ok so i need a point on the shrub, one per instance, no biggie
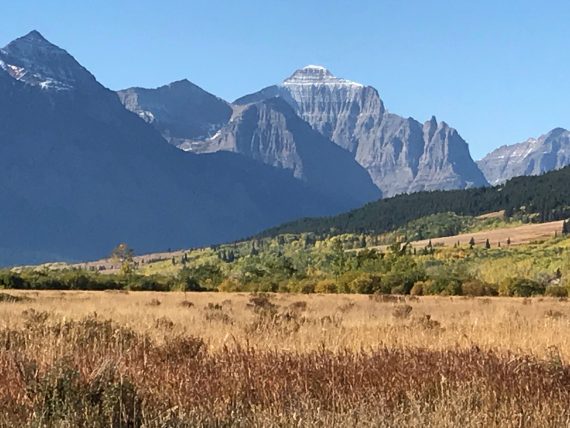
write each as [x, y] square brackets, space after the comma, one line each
[10, 279]
[366, 284]
[556, 291]
[401, 311]
[476, 287]
[325, 286]
[306, 286]
[399, 289]
[148, 283]
[229, 285]
[443, 286]
[261, 303]
[418, 288]
[520, 287]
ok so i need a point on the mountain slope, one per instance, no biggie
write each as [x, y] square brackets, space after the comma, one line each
[531, 157]
[181, 111]
[544, 198]
[270, 132]
[396, 151]
[80, 173]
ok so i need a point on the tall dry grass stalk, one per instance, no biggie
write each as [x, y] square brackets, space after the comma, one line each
[148, 359]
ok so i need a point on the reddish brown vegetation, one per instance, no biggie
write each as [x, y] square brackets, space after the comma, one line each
[96, 373]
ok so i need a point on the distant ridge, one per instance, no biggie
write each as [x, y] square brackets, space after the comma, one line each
[531, 157]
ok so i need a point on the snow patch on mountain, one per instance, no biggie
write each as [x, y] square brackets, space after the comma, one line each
[531, 157]
[33, 60]
[317, 75]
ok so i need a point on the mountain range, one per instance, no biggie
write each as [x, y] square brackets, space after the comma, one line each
[401, 155]
[531, 157]
[85, 168]
[80, 173]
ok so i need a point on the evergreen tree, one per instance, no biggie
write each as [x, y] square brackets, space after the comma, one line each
[471, 242]
[487, 244]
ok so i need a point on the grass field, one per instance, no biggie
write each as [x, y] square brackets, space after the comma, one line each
[223, 359]
[518, 234]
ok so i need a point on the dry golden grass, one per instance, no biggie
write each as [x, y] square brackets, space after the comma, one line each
[217, 359]
[525, 234]
[336, 321]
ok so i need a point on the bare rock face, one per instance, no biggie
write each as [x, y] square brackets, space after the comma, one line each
[269, 131]
[397, 152]
[531, 157]
[339, 109]
[181, 111]
[33, 60]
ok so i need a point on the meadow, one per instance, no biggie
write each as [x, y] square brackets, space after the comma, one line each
[120, 358]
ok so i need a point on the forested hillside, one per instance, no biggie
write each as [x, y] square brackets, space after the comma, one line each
[541, 198]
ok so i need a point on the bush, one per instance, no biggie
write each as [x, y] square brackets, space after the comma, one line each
[418, 288]
[229, 285]
[520, 287]
[10, 279]
[556, 291]
[476, 287]
[443, 286]
[399, 289]
[366, 284]
[148, 283]
[305, 286]
[325, 286]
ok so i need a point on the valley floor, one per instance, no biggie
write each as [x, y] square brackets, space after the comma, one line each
[240, 359]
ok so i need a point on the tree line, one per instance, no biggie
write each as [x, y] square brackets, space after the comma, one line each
[533, 199]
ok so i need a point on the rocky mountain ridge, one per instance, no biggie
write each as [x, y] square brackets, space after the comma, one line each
[531, 157]
[399, 156]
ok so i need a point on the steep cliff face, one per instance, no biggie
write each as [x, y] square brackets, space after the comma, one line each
[269, 131]
[445, 163]
[531, 157]
[339, 109]
[396, 151]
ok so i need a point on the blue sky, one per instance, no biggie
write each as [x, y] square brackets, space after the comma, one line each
[496, 71]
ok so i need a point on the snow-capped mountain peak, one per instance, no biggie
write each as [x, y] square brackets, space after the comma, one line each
[35, 61]
[316, 75]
